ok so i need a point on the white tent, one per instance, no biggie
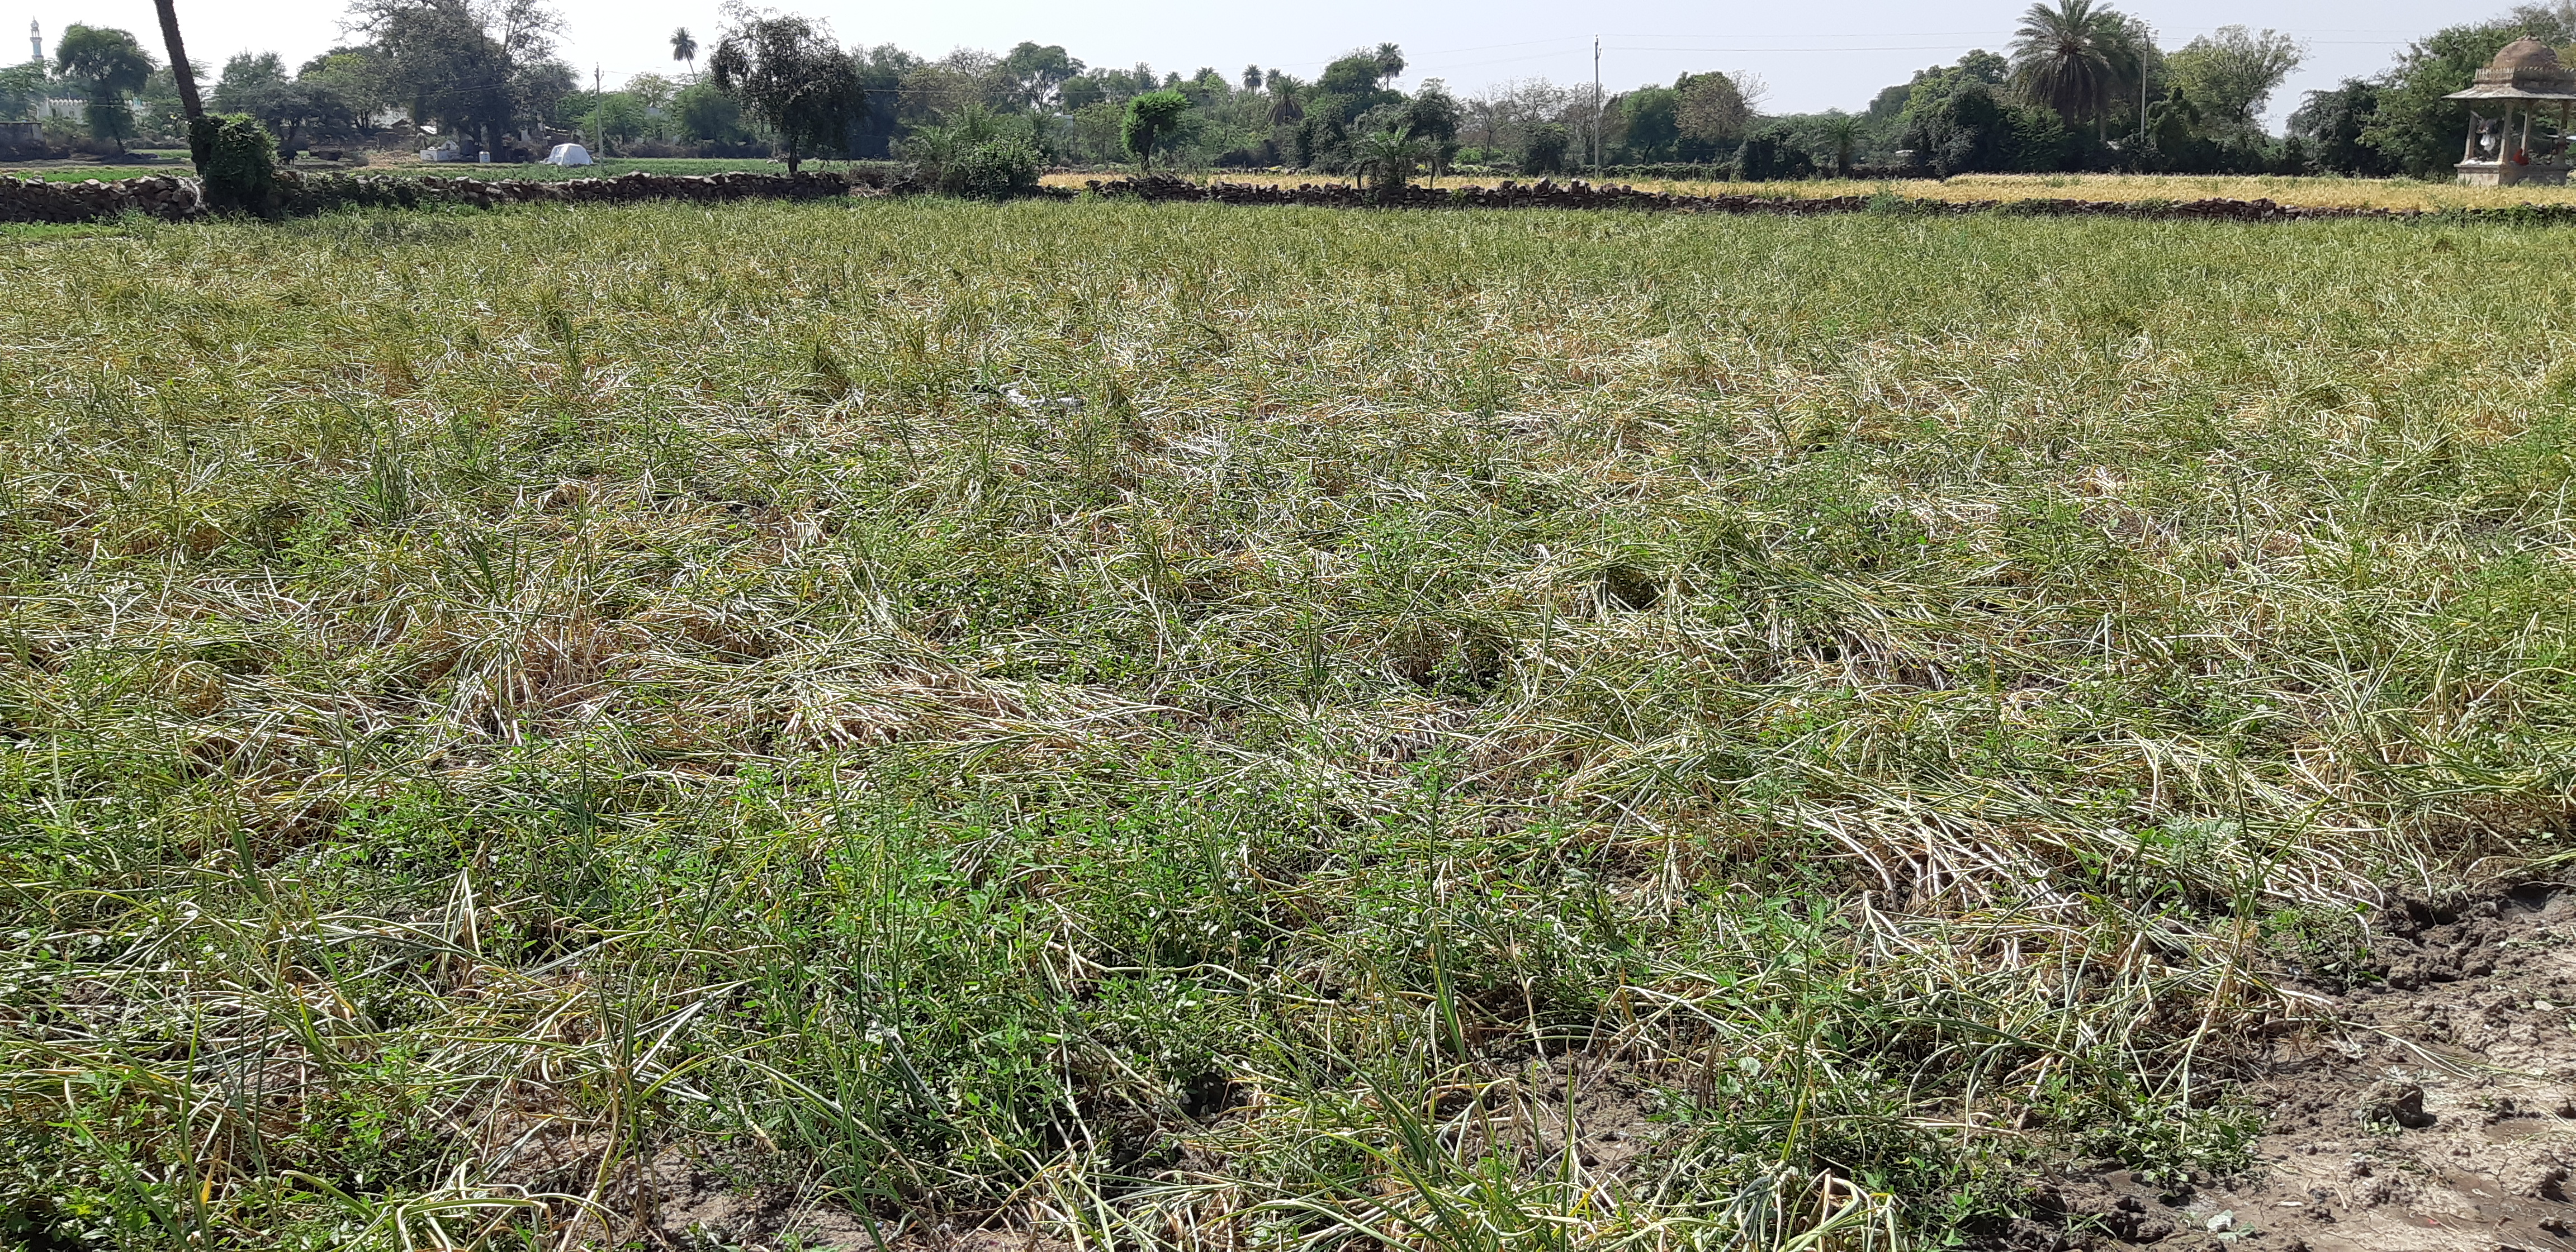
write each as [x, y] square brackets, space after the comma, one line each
[567, 154]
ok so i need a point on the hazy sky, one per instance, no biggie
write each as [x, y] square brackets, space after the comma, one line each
[1836, 53]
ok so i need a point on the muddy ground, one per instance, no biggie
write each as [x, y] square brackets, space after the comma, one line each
[2431, 1108]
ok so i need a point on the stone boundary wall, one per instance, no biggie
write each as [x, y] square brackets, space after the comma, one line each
[33, 200]
[1548, 194]
[176, 198]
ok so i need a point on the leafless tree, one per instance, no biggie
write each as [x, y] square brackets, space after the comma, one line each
[1498, 116]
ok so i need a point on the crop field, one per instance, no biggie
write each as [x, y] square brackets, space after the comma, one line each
[1110, 726]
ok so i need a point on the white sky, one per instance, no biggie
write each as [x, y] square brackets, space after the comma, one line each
[1836, 53]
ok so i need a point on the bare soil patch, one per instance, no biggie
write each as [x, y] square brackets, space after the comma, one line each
[2433, 1111]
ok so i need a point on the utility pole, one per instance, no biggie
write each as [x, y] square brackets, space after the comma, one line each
[1596, 106]
[2142, 115]
[597, 125]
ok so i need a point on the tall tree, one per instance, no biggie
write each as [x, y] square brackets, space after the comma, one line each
[1432, 117]
[1499, 118]
[110, 66]
[2231, 73]
[2332, 121]
[181, 73]
[684, 47]
[1712, 107]
[1287, 97]
[2073, 57]
[257, 84]
[21, 86]
[472, 68]
[1038, 74]
[790, 76]
[1151, 118]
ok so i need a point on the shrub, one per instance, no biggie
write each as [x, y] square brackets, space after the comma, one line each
[1773, 153]
[976, 153]
[994, 171]
[1543, 148]
[237, 157]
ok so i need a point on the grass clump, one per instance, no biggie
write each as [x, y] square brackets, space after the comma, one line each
[1176, 724]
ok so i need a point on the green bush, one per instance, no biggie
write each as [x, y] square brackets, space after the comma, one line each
[994, 171]
[237, 157]
[1543, 148]
[977, 153]
[1773, 154]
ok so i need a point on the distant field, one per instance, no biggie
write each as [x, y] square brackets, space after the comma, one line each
[75, 171]
[2353, 192]
[1272, 730]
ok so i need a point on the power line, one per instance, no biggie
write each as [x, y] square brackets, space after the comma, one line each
[1924, 47]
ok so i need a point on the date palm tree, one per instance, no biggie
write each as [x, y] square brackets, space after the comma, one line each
[1386, 158]
[2073, 57]
[1842, 130]
[1286, 91]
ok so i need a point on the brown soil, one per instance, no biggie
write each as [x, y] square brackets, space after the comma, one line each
[2434, 1111]
[700, 1210]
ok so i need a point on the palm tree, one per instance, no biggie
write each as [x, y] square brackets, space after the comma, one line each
[684, 47]
[1386, 158]
[2073, 57]
[181, 74]
[1285, 108]
[1842, 130]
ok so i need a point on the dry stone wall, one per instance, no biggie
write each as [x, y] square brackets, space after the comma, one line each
[172, 198]
[1577, 194]
[32, 200]
[29, 200]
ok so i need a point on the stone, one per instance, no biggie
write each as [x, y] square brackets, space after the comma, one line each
[2389, 1103]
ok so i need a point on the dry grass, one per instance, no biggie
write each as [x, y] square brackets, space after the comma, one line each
[1185, 726]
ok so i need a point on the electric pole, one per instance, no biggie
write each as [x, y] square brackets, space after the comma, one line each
[1596, 106]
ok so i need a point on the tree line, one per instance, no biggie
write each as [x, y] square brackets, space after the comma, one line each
[2082, 86]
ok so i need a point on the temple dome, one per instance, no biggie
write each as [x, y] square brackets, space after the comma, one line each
[2529, 65]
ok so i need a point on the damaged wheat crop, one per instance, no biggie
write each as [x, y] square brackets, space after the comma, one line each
[1175, 726]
